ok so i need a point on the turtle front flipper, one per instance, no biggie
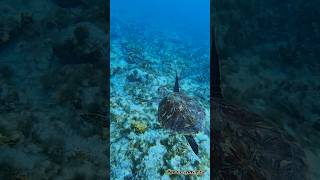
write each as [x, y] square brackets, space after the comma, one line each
[192, 143]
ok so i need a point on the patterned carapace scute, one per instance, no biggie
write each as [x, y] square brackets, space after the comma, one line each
[181, 113]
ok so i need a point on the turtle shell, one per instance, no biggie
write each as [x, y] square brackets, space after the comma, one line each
[181, 113]
[250, 147]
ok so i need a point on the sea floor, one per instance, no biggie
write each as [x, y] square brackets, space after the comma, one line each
[144, 58]
[47, 89]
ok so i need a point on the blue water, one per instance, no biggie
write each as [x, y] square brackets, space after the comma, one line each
[149, 42]
[187, 18]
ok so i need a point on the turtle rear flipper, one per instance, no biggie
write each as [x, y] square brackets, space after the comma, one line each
[192, 143]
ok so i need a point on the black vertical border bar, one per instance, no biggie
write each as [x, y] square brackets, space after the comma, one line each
[215, 92]
[212, 155]
[108, 169]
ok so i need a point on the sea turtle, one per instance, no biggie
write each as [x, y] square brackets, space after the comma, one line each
[181, 113]
[247, 146]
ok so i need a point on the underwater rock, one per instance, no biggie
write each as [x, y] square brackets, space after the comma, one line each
[134, 76]
[137, 76]
[139, 126]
